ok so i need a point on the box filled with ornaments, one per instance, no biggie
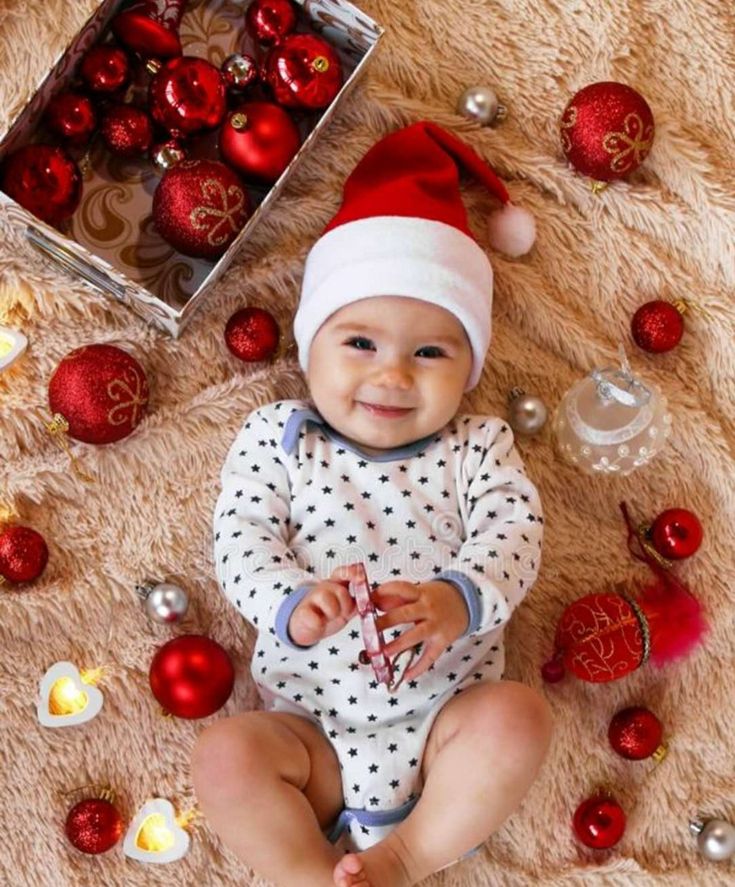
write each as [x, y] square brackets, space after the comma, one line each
[164, 132]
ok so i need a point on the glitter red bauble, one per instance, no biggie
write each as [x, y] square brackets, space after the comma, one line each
[23, 554]
[303, 71]
[151, 27]
[252, 334]
[607, 131]
[188, 95]
[127, 131]
[191, 676]
[599, 822]
[199, 207]
[635, 733]
[657, 326]
[71, 116]
[105, 69]
[44, 180]
[94, 825]
[676, 533]
[101, 391]
[270, 20]
[259, 140]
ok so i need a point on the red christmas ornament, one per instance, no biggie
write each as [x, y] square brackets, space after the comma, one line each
[269, 21]
[23, 554]
[658, 326]
[151, 27]
[635, 733]
[303, 71]
[676, 534]
[259, 140]
[599, 822]
[127, 131]
[105, 69]
[607, 131]
[101, 391]
[199, 207]
[188, 95]
[44, 180]
[94, 825]
[191, 676]
[70, 116]
[252, 334]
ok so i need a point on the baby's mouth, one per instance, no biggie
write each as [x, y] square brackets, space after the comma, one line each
[388, 412]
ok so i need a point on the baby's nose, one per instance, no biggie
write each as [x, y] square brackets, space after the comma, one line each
[394, 376]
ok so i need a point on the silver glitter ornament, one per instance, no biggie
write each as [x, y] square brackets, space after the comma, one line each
[239, 71]
[164, 602]
[715, 839]
[481, 104]
[527, 413]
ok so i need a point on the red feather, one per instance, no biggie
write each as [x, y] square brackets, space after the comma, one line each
[675, 619]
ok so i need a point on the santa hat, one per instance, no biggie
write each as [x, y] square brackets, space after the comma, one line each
[402, 231]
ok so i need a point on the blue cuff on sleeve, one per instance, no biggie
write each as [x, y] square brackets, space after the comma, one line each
[289, 604]
[469, 592]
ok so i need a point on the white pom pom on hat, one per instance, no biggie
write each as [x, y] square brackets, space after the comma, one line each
[402, 230]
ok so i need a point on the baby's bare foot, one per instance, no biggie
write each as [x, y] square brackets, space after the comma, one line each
[380, 866]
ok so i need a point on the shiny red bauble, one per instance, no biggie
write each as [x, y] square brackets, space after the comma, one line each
[23, 554]
[635, 733]
[151, 27]
[101, 391]
[676, 533]
[188, 95]
[607, 130]
[127, 131]
[94, 825]
[191, 676]
[44, 180]
[71, 116]
[270, 20]
[303, 71]
[599, 822]
[252, 334]
[259, 140]
[657, 326]
[199, 207]
[105, 69]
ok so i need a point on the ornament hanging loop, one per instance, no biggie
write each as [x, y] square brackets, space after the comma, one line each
[621, 385]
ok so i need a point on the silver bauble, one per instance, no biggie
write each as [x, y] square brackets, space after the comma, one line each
[527, 413]
[164, 602]
[481, 104]
[165, 155]
[715, 839]
[239, 71]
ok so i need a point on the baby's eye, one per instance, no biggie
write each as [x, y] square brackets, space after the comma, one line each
[360, 343]
[431, 351]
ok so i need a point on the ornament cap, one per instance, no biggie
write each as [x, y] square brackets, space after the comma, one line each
[696, 826]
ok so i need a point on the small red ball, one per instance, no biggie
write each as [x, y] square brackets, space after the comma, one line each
[553, 671]
[635, 733]
[191, 676]
[105, 69]
[599, 822]
[127, 131]
[259, 139]
[151, 27]
[252, 334]
[270, 20]
[71, 116]
[44, 180]
[303, 71]
[676, 533]
[657, 326]
[23, 554]
[188, 95]
[94, 825]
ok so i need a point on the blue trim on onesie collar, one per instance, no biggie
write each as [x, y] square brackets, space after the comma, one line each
[299, 417]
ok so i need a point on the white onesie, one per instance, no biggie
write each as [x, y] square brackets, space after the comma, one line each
[298, 500]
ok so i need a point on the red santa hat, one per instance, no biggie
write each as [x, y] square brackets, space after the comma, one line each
[402, 231]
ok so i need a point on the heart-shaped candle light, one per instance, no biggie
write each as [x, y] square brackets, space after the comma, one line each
[155, 834]
[66, 697]
[12, 344]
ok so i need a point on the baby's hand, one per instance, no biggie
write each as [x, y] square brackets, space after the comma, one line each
[324, 610]
[439, 614]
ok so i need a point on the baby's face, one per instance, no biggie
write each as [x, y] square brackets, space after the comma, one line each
[408, 357]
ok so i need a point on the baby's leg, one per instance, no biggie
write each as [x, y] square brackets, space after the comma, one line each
[269, 783]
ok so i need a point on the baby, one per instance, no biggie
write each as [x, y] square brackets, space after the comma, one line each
[339, 781]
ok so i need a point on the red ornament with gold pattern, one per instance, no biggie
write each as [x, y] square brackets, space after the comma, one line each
[199, 207]
[188, 95]
[607, 131]
[44, 180]
[100, 392]
[303, 71]
[151, 27]
[23, 554]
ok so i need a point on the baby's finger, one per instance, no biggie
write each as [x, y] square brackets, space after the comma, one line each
[326, 600]
[429, 655]
[346, 573]
[406, 640]
[398, 616]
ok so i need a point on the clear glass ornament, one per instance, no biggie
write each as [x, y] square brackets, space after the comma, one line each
[610, 422]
